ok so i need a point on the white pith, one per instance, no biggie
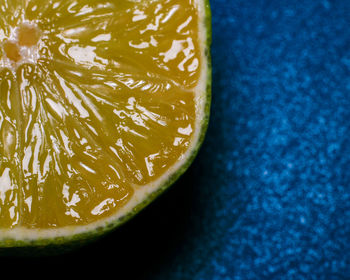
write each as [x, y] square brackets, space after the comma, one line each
[141, 193]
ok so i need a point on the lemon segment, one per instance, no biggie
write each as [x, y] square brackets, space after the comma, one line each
[101, 103]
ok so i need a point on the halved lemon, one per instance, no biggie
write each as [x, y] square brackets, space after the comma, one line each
[103, 105]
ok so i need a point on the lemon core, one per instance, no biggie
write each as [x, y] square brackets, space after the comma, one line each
[26, 36]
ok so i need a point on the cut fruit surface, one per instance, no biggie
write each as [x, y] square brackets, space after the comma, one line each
[103, 104]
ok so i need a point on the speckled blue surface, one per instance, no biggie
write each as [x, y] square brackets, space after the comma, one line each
[269, 195]
[273, 178]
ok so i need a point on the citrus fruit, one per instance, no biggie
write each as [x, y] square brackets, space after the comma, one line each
[103, 105]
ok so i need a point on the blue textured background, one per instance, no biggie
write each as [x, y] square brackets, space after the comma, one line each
[269, 195]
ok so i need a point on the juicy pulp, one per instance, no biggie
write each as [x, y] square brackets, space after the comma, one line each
[99, 106]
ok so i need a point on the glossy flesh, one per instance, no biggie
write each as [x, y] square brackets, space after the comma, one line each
[102, 105]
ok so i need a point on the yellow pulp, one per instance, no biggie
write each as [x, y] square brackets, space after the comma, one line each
[96, 101]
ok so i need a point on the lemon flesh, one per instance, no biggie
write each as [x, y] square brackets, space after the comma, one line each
[101, 101]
